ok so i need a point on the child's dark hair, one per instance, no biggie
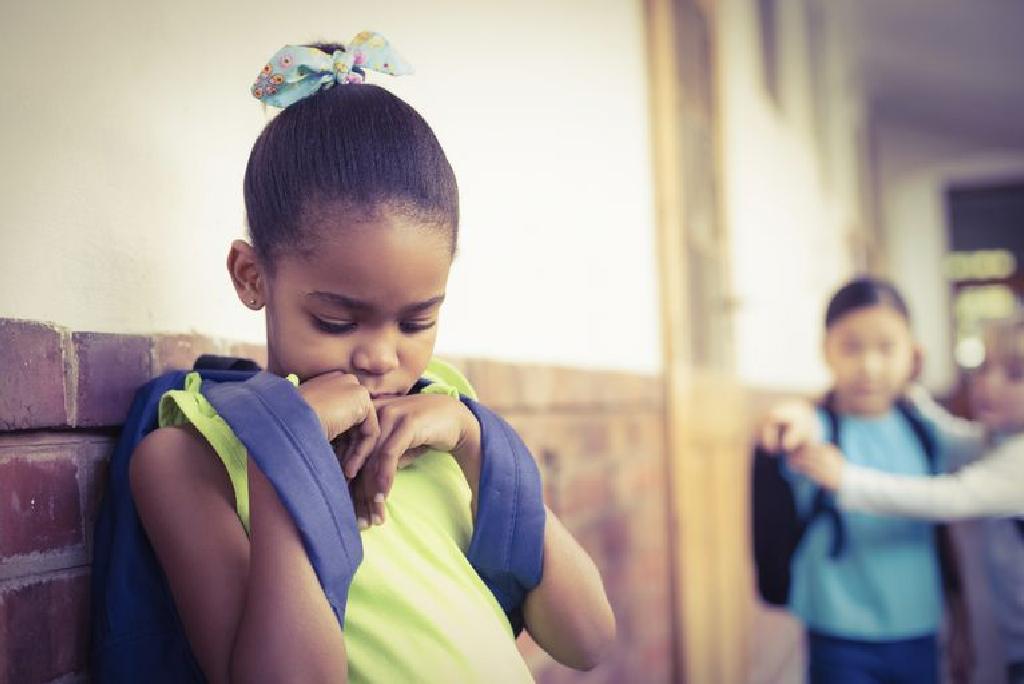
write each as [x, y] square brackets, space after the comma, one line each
[863, 292]
[354, 148]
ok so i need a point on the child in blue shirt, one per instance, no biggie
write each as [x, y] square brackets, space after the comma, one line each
[873, 611]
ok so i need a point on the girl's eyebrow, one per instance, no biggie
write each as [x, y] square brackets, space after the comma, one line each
[336, 299]
[424, 305]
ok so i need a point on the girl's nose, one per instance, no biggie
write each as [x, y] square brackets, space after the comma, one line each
[376, 355]
[871, 364]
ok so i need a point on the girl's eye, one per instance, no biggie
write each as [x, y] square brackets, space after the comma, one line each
[412, 327]
[333, 328]
[851, 347]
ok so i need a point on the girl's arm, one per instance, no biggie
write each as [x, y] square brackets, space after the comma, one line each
[568, 613]
[252, 609]
[989, 487]
[287, 630]
[962, 440]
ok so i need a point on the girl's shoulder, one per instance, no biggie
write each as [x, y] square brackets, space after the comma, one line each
[440, 372]
[172, 467]
[188, 408]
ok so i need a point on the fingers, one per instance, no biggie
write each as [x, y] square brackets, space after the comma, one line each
[410, 456]
[368, 502]
[768, 438]
[779, 435]
[792, 437]
[359, 503]
[800, 460]
[788, 427]
[363, 441]
[397, 437]
[822, 463]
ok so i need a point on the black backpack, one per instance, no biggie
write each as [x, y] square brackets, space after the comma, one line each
[777, 527]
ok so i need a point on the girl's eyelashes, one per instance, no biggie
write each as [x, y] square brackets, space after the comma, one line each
[341, 328]
[333, 328]
[413, 327]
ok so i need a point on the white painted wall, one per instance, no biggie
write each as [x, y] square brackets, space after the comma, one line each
[125, 128]
[791, 196]
[916, 166]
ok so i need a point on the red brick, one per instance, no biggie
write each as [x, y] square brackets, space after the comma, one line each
[179, 352]
[47, 629]
[93, 488]
[39, 506]
[586, 491]
[110, 368]
[639, 481]
[496, 384]
[32, 372]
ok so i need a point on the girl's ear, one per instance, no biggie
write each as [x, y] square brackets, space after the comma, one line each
[246, 274]
[917, 365]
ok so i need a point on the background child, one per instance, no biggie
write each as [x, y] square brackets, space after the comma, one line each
[352, 209]
[990, 487]
[873, 611]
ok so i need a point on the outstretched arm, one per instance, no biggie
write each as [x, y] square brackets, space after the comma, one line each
[988, 487]
[962, 440]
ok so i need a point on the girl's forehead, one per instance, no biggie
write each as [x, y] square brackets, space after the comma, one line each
[875, 318]
[381, 266]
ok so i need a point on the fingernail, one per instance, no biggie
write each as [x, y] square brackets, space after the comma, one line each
[379, 497]
[377, 520]
[361, 523]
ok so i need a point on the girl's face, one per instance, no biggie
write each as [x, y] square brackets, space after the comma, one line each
[997, 388]
[366, 302]
[872, 356]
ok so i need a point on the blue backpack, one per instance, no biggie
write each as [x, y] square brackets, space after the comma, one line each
[137, 634]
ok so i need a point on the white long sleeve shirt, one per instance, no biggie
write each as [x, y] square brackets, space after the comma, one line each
[992, 486]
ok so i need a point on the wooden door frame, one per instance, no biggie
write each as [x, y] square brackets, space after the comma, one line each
[708, 630]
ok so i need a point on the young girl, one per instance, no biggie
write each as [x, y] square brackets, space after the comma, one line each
[873, 611]
[352, 211]
[991, 487]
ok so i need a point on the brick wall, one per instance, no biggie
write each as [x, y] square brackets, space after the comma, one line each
[597, 436]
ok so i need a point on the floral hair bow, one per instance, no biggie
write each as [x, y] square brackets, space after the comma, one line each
[298, 71]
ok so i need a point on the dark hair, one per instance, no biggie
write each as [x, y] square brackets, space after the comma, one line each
[863, 292]
[355, 148]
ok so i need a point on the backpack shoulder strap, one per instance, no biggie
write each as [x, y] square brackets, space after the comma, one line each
[284, 438]
[824, 502]
[828, 406]
[925, 435]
